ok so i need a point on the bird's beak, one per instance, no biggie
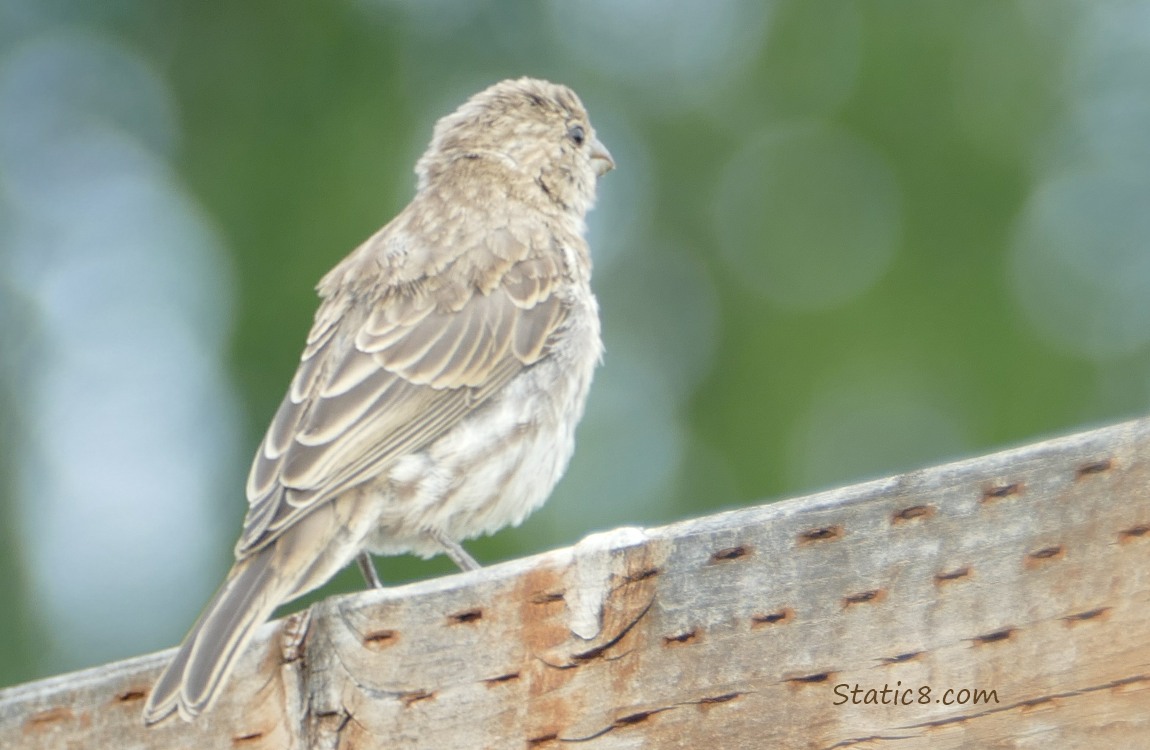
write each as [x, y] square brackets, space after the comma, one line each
[601, 158]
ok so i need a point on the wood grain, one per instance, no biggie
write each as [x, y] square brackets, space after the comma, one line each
[1025, 573]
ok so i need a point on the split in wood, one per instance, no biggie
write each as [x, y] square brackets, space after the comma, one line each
[634, 718]
[811, 678]
[1134, 532]
[772, 618]
[863, 597]
[825, 534]
[1096, 467]
[379, 639]
[414, 696]
[642, 575]
[995, 637]
[1044, 555]
[470, 615]
[681, 638]
[718, 699]
[1002, 490]
[900, 658]
[502, 678]
[51, 716]
[913, 513]
[731, 553]
[952, 575]
[130, 696]
[1088, 615]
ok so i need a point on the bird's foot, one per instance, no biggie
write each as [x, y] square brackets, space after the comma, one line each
[367, 567]
[455, 551]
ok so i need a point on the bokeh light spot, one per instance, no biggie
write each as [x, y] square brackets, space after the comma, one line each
[867, 423]
[131, 425]
[690, 48]
[1080, 263]
[808, 216]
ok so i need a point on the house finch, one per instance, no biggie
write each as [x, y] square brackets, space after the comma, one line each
[437, 396]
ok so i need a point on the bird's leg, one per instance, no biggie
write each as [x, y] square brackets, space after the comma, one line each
[367, 567]
[455, 551]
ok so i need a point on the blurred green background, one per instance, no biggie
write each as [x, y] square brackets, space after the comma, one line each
[844, 239]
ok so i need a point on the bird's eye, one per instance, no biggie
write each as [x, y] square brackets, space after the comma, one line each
[577, 134]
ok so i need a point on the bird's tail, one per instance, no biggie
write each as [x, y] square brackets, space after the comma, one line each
[193, 679]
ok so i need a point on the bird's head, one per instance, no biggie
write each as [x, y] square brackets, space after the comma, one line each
[538, 131]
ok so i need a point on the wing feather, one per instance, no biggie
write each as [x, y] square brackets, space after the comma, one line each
[335, 415]
[378, 382]
[459, 362]
[533, 328]
[348, 374]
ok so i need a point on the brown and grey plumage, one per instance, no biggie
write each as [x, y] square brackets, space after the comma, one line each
[438, 393]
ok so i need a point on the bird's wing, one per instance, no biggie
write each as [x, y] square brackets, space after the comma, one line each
[379, 381]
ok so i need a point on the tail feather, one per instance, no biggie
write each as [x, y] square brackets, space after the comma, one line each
[302, 559]
[192, 680]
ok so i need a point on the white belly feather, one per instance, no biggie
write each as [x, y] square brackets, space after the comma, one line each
[501, 462]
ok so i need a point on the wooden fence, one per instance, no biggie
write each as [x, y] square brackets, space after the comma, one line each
[998, 602]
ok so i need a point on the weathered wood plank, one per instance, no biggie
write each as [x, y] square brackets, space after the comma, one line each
[1024, 573]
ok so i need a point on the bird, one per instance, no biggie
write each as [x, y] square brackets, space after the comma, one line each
[438, 392]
